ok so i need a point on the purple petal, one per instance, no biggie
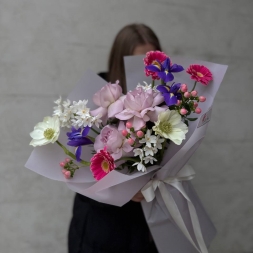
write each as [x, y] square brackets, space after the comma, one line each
[78, 152]
[176, 68]
[153, 68]
[168, 77]
[162, 75]
[163, 88]
[79, 142]
[85, 131]
[170, 99]
[174, 88]
[166, 64]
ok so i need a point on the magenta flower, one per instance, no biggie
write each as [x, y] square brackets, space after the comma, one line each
[101, 164]
[200, 73]
[107, 98]
[112, 138]
[140, 105]
[153, 58]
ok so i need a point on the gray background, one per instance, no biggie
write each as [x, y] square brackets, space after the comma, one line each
[46, 45]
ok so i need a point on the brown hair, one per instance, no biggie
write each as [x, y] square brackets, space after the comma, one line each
[128, 38]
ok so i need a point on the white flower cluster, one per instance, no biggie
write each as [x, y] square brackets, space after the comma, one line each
[146, 86]
[75, 114]
[146, 154]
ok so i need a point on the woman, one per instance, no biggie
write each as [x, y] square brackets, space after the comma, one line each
[102, 228]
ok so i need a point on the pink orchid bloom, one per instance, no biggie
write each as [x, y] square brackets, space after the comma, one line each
[140, 107]
[109, 101]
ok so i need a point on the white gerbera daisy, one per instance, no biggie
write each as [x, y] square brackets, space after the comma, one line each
[170, 126]
[46, 132]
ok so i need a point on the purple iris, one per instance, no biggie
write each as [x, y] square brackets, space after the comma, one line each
[164, 70]
[77, 138]
[170, 94]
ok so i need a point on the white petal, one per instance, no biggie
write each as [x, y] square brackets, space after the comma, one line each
[37, 134]
[39, 142]
[175, 118]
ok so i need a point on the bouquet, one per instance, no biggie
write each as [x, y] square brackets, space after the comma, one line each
[141, 140]
[132, 130]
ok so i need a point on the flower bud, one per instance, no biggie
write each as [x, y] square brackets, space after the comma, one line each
[128, 124]
[124, 132]
[179, 102]
[67, 160]
[195, 104]
[183, 111]
[63, 171]
[198, 110]
[67, 174]
[202, 99]
[62, 164]
[187, 94]
[130, 141]
[194, 93]
[140, 134]
[183, 87]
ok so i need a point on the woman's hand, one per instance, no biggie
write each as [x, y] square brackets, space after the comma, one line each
[138, 197]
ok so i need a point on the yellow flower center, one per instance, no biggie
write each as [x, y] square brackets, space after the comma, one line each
[200, 74]
[49, 133]
[156, 63]
[105, 166]
[165, 127]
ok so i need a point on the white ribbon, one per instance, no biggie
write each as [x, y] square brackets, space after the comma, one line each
[185, 174]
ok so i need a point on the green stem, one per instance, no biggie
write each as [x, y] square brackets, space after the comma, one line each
[128, 158]
[153, 83]
[91, 138]
[95, 131]
[194, 86]
[67, 152]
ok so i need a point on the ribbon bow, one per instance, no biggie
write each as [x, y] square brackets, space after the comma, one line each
[185, 174]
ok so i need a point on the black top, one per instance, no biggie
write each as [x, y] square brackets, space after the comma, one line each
[101, 228]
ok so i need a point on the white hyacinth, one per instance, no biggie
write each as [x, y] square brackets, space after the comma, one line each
[148, 138]
[149, 159]
[138, 152]
[76, 114]
[140, 166]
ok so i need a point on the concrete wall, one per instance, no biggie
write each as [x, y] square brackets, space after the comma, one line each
[44, 48]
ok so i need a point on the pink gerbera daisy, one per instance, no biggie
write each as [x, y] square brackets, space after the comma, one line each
[151, 59]
[200, 73]
[101, 164]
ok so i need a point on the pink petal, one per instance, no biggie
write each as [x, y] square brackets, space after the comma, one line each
[137, 123]
[124, 115]
[153, 115]
[115, 108]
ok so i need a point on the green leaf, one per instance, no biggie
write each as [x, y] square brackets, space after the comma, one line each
[192, 119]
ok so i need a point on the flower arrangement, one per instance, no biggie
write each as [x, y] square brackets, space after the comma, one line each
[131, 131]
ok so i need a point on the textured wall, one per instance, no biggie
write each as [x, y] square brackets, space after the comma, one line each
[44, 48]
